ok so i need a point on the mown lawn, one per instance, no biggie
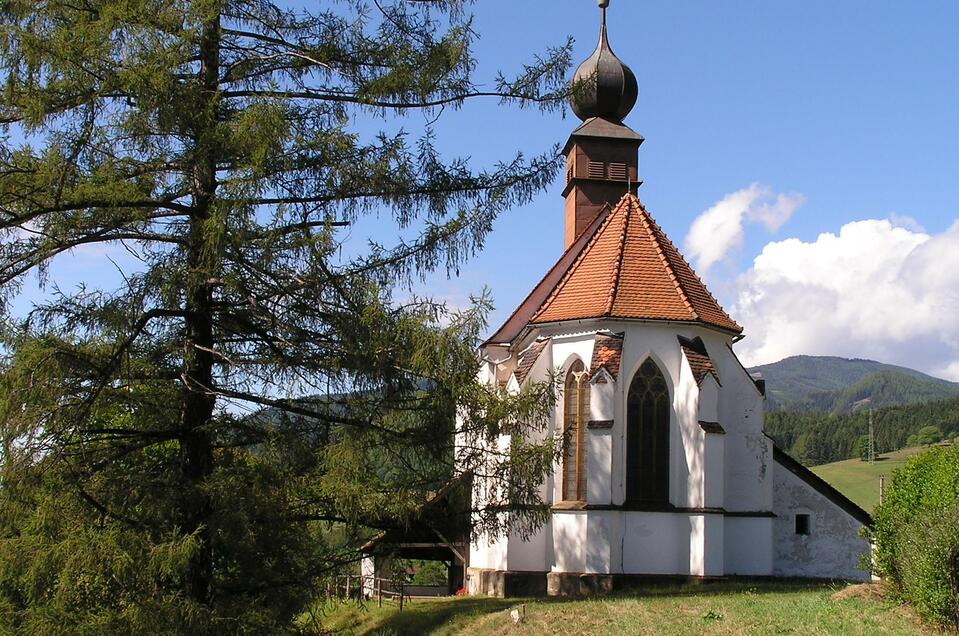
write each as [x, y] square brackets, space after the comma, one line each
[859, 480]
[719, 608]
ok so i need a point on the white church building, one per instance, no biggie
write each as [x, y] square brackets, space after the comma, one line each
[666, 470]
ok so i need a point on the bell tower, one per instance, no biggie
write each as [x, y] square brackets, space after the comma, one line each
[602, 154]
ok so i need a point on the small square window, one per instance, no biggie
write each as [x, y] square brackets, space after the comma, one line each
[802, 524]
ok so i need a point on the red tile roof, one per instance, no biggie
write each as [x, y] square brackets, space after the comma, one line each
[629, 269]
[608, 353]
[699, 360]
[520, 317]
[528, 358]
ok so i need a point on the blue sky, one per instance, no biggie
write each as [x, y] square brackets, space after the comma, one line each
[850, 108]
[817, 143]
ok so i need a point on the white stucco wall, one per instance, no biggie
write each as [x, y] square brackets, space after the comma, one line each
[749, 546]
[368, 567]
[656, 543]
[714, 545]
[599, 466]
[569, 541]
[697, 540]
[634, 542]
[488, 553]
[715, 473]
[602, 531]
[734, 471]
[748, 452]
[709, 399]
[602, 398]
[833, 547]
[529, 554]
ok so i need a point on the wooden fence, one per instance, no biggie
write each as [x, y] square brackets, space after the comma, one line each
[363, 588]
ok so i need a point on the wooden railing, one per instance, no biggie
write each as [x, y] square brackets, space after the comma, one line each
[363, 588]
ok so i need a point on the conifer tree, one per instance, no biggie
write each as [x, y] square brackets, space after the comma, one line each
[226, 144]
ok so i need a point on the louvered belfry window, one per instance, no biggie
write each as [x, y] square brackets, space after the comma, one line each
[596, 170]
[575, 416]
[647, 436]
[618, 171]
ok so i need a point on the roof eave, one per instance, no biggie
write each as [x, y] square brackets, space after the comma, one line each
[624, 319]
[510, 331]
[821, 486]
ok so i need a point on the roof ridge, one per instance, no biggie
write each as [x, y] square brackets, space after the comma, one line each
[693, 272]
[626, 267]
[649, 224]
[575, 264]
[618, 268]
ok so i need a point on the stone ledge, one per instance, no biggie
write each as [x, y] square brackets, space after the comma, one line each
[599, 424]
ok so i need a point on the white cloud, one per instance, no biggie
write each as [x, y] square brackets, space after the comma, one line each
[719, 229]
[949, 372]
[901, 220]
[875, 290]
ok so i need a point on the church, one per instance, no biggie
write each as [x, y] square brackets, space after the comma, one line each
[666, 470]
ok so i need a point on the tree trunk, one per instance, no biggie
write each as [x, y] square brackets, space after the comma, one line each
[198, 400]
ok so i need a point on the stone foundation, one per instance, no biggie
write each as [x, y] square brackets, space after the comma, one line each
[506, 584]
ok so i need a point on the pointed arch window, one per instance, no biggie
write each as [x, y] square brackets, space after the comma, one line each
[647, 436]
[575, 416]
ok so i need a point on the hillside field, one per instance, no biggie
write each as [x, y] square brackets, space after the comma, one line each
[859, 480]
[720, 608]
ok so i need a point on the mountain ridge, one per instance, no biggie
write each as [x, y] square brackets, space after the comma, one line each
[842, 385]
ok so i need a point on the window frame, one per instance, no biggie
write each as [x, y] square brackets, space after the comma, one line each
[576, 406]
[654, 457]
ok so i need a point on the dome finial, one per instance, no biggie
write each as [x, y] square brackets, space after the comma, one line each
[603, 85]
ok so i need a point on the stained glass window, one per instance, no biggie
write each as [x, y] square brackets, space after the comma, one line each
[575, 416]
[647, 436]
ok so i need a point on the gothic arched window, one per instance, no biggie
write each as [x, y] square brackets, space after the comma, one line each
[647, 436]
[575, 416]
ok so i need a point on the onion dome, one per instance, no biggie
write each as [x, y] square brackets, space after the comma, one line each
[603, 86]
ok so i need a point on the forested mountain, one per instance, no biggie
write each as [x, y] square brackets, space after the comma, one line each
[819, 438]
[841, 385]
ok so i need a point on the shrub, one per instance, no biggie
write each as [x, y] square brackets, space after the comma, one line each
[916, 529]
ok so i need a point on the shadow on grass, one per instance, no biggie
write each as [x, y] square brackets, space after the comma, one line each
[425, 616]
[428, 616]
[726, 586]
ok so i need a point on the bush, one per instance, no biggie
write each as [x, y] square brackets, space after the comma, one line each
[916, 530]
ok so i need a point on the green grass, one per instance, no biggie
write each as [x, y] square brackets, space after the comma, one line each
[859, 480]
[721, 608]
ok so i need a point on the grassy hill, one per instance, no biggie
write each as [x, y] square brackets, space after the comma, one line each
[718, 608]
[839, 385]
[816, 438]
[859, 480]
